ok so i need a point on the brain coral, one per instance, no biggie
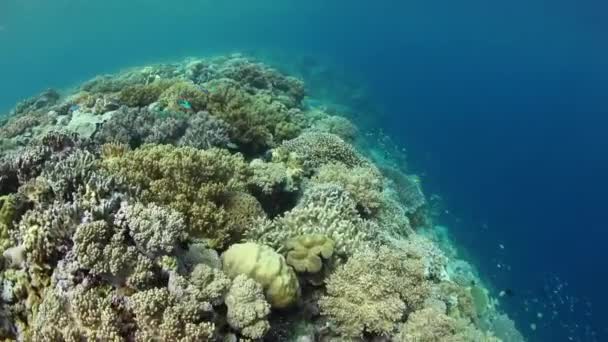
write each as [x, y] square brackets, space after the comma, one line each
[266, 267]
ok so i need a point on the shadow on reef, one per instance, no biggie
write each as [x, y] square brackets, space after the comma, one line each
[202, 201]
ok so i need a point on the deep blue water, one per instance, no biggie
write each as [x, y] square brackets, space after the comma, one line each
[502, 105]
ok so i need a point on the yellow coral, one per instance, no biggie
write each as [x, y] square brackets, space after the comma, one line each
[306, 252]
[267, 267]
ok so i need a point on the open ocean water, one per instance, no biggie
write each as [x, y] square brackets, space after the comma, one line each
[501, 106]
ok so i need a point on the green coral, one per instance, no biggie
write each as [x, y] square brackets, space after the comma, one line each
[190, 181]
[258, 120]
[242, 210]
[372, 292]
[7, 215]
[305, 252]
[141, 95]
[172, 98]
[266, 267]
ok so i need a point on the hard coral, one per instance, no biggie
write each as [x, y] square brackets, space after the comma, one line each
[247, 308]
[432, 325]
[155, 230]
[183, 97]
[364, 184]
[373, 291]
[160, 316]
[258, 120]
[317, 149]
[141, 95]
[305, 252]
[266, 267]
[190, 181]
[325, 209]
[82, 314]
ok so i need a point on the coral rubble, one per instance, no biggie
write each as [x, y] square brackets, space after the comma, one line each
[202, 200]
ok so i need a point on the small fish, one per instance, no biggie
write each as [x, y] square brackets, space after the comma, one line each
[203, 89]
[74, 108]
[184, 104]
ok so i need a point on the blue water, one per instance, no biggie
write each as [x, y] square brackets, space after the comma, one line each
[502, 105]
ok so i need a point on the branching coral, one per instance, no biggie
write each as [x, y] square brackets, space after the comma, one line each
[273, 177]
[364, 184]
[257, 120]
[160, 316]
[82, 314]
[105, 252]
[325, 209]
[45, 233]
[317, 149]
[183, 97]
[205, 284]
[247, 308]
[242, 211]
[431, 325]
[141, 95]
[337, 125]
[190, 181]
[258, 77]
[155, 230]
[373, 291]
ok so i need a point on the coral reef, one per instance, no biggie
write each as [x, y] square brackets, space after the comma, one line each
[211, 200]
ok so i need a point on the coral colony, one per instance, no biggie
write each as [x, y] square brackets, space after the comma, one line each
[203, 201]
